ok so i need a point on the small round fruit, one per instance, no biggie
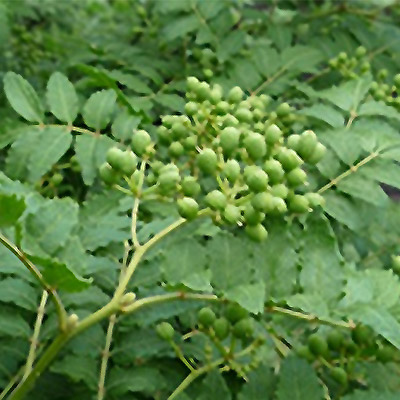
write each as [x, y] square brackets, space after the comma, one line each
[317, 155]
[56, 179]
[128, 163]
[114, 157]
[252, 216]
[222, 108]
[296, 177]
[280, 190]
[231, 170]
[385, 354]
[221, 328]
[274, 170]
[234, 312]
[396, 80]
[244, 328]
[216, 200]
[207, 161]
[192, 83]
[257, 232]
[190, 143]
[289, 159]
[244, 115]
[339, 375]
[229, 140]
[304, 352]
[283, 109]
[255, 145]
[317, 345]
[315, 199]
[257, 181]
[108, 174]
[396, 264]
[168, 181]
[362, 335]
[175, 150]
[307, 144]
[164, 135]
[206, 316]
[263, 202]
[235, 95]
[279, 206]
[178, 130]
[335, 340]
[293, 142]
[232, 214]
[165, 331]
[360, 52]
[190, 187]
[351, 347]
[191, 108]
[299, 204]
[141, 140]
[273, 134]
[188, 208]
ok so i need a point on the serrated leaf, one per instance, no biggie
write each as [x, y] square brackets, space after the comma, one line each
[98, 109]
[22, 97]
[181, 27]
[382, 171]
[259, 386]
[298, 381]
[54, 143]
[91, 152]
[49, 226]
[171, 101]
[13, 324]
[124, 125]
[11, 208]
[249, 296]
[92, 296]
[310, 303]
[230, 45]
[131, 82]
[300, 58]
[19, 292]
[372, 107]
[324, 113]
[214, 388]
[372, 395]
[62, 98]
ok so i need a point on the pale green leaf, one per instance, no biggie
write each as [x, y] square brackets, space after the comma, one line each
[378, 108]
[124, 126]
[300, 58]
[62, 98]
[249, 296]
[22, 97]
[259, 386]
[324, 113]
[13, 324]
[98, 109]
[215, 388]
[18, 292]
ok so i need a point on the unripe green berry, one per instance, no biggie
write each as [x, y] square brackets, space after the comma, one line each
[315, 200]
[191, 108]
[232, 214]
[362, 335]
[317, 345]
[255, 145]
[360, 52]
[221, 328]
[178, 130]
[244, 115]
[114, 157]
[222, 108]
[385, 354]
[165, 331]
[231, 170]
[190, 143]
[396, 80]
[317, 154]
[396, 264]
[289, 159]
[206, 316]
[168, 181]
[279, 206]
[235, 95]
[257, 233]
[188, 208]
[175, 149]
[252, 216]
[273, 134]
[216, 200]
[128, 163]
[141, 140]
[164, 135]
[56, 179]
[108, 174]
[335, 340]
[234, 312]
[283, 109]
[190, 186]
[339, 375]
[257, 181]
[202, 91]
[274, 170]
[299, 204]
[192, 83]
[280, 190]
[296, 177]
[307, 144]
[207, 161]
[263, 202]
[244, 328]
[229, 140]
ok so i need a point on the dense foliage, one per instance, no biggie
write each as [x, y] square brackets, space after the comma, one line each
[193, 200]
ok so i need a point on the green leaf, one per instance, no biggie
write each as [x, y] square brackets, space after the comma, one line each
[372, 395]
[11, 208]
[249, 296]
[23, 98]
[98, 109]
[124, 125]
[215, 388]
[91, 152]
[62, 98]
[383, 171]
[372, 107]
[54, 143]
[48, 227]
[324, 113]
[18, 292]
[310, 303]
[230, 45]
[13, 324]
[300, 58]
[298, 381]
[259, 386]
[181, 27]
[171, 101]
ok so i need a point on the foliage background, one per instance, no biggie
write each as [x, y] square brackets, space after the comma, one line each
[335, 265]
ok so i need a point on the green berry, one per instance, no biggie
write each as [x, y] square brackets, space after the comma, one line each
[215, 95]
[207, 161]
[231, 170]
[273, 134]
[339, 375]
[192, 83]
[257, 181]
[244, 115]
[257, 232]
[221, 328]
[299, 204]
[315, 200]
[307, 144]
[141, 140]
[108, 174]
[190, 187]
[396, 264]
[168, 181]
[191, 108]
[280, 190]
[360, 52]
[255, 145]
[385, 354]
[235, 95]
[229, 140]
[202, 91]
[164, 135]
[335, 340]
[234, 312]
[304, 352]
[296, 177]
[175, 150]
[114, 157]
[206, 316]
[244, 328]
[222, 108]
[128, 163]
[396, 80]
[317, 345]
[279, 206]
[232, 214]
[190, 143]
[263, 202]
[362, 335]
[289, 159]
[351, 347]
[283, 109]
[317, 154]
[165, 331]
[216, 200]
[252, 216]
[56, 179]
[188, 208]
[178, 130]
[274, 170]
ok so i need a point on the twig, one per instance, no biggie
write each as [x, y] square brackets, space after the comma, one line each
[135, 208]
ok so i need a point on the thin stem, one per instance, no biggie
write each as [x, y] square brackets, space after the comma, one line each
[135, 208]
[35, 337]
[181, 356]
[269, 81]
[352, 169]
[311, 318]
[123, 190]
[62, 314]
[11, 383]
[105, 357]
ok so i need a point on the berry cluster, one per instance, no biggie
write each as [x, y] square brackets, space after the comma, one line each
[382, 91]
[338, 351]
[351, 67]
[225, 156]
